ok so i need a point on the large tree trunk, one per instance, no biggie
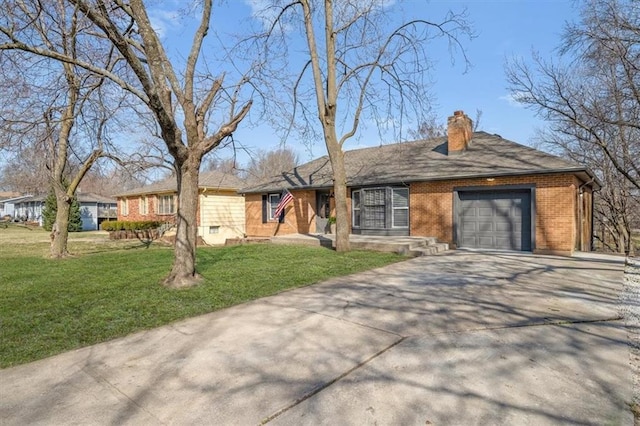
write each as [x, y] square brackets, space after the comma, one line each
[183, 272]
[60, 230]
[336, 156]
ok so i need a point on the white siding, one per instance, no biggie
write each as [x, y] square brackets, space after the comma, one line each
[30, 210]
[223, 211]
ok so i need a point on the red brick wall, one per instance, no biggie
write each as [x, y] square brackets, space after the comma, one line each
[134, 210]
[299, 216]
[431, 210]
[556, 224]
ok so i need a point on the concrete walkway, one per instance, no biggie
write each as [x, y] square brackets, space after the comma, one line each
[459, 338]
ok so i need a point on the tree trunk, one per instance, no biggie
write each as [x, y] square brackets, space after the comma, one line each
[183, 272]
[60, 230]
[340, 195]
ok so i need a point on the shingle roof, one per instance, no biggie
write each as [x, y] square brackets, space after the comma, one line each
[90, 197]
[423, 160]
[83, 197]
[213, 179]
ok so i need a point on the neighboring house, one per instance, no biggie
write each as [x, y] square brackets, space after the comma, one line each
[7, 203]
[220, 207]
[94, 209]
[472, 190]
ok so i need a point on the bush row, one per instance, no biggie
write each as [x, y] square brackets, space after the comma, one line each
[123, 225]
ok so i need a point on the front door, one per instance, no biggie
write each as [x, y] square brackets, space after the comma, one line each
[323, 210]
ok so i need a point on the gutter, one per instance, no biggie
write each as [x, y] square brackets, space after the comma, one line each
[412, 179]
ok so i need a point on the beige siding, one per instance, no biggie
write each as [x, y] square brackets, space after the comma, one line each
[224, 210]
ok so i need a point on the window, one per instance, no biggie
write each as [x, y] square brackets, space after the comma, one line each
[144, 205]
[400, 208]
[269, 205]
[166, 204]
[355, 202]
[124, 207]
[374, 203]
[274, 199]
[214, 230]
[380, 208]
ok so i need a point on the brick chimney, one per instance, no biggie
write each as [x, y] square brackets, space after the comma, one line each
[459, 130]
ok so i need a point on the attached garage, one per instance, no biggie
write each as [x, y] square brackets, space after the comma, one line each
[494, 219]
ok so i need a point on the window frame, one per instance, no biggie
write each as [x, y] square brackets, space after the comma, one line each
[356, 223]
[124, 207]
[143, 202]
[162, 207]
[359, 212]
[394, 208]
[271, 206]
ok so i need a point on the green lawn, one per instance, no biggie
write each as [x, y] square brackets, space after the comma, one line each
[111, 288]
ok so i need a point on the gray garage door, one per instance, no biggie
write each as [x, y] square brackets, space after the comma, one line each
[495, 220]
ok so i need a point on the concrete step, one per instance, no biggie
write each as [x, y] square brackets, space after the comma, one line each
[412, 246]
[428, 250]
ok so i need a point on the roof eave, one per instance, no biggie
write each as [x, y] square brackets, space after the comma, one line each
[572, 170]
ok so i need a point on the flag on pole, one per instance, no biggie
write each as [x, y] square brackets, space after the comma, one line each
[285, 199]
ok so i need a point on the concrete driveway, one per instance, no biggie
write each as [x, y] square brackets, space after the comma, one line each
[459, 338]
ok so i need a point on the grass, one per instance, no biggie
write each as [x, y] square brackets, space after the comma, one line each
[111, 288]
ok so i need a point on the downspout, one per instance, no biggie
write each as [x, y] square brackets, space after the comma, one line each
[580, 195]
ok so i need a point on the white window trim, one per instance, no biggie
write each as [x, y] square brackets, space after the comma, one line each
[162, 207]
[124, 207]
[271, 205]
[394, 208]
[144, 201]
[353, 209]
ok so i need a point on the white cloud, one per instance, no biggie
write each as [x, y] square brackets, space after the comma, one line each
[263, 11]
[163, 20]
[514, 99]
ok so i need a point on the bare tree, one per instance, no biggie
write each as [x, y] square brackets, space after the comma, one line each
[58, 99]
[359, 63]
[225, 165]
[590, 98]
[429, 128]
[145, 70]
[615, 206]
[25, 170]
[265, 164]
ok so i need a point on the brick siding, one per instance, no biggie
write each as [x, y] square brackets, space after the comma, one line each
[431, 208]
[134, 210]
[431, 211]
[299, 216]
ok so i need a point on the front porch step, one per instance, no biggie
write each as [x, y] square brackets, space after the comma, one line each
[428, 250]
[410, 246]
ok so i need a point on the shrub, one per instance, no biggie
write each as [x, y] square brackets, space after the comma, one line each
[124, 225]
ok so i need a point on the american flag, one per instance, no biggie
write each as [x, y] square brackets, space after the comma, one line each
[285, 198]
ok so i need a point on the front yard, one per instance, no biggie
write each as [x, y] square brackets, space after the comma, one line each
[111, 288]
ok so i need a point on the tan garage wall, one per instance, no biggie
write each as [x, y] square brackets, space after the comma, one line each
[221, 216]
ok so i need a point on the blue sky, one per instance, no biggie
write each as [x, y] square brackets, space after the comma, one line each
[504, 28]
